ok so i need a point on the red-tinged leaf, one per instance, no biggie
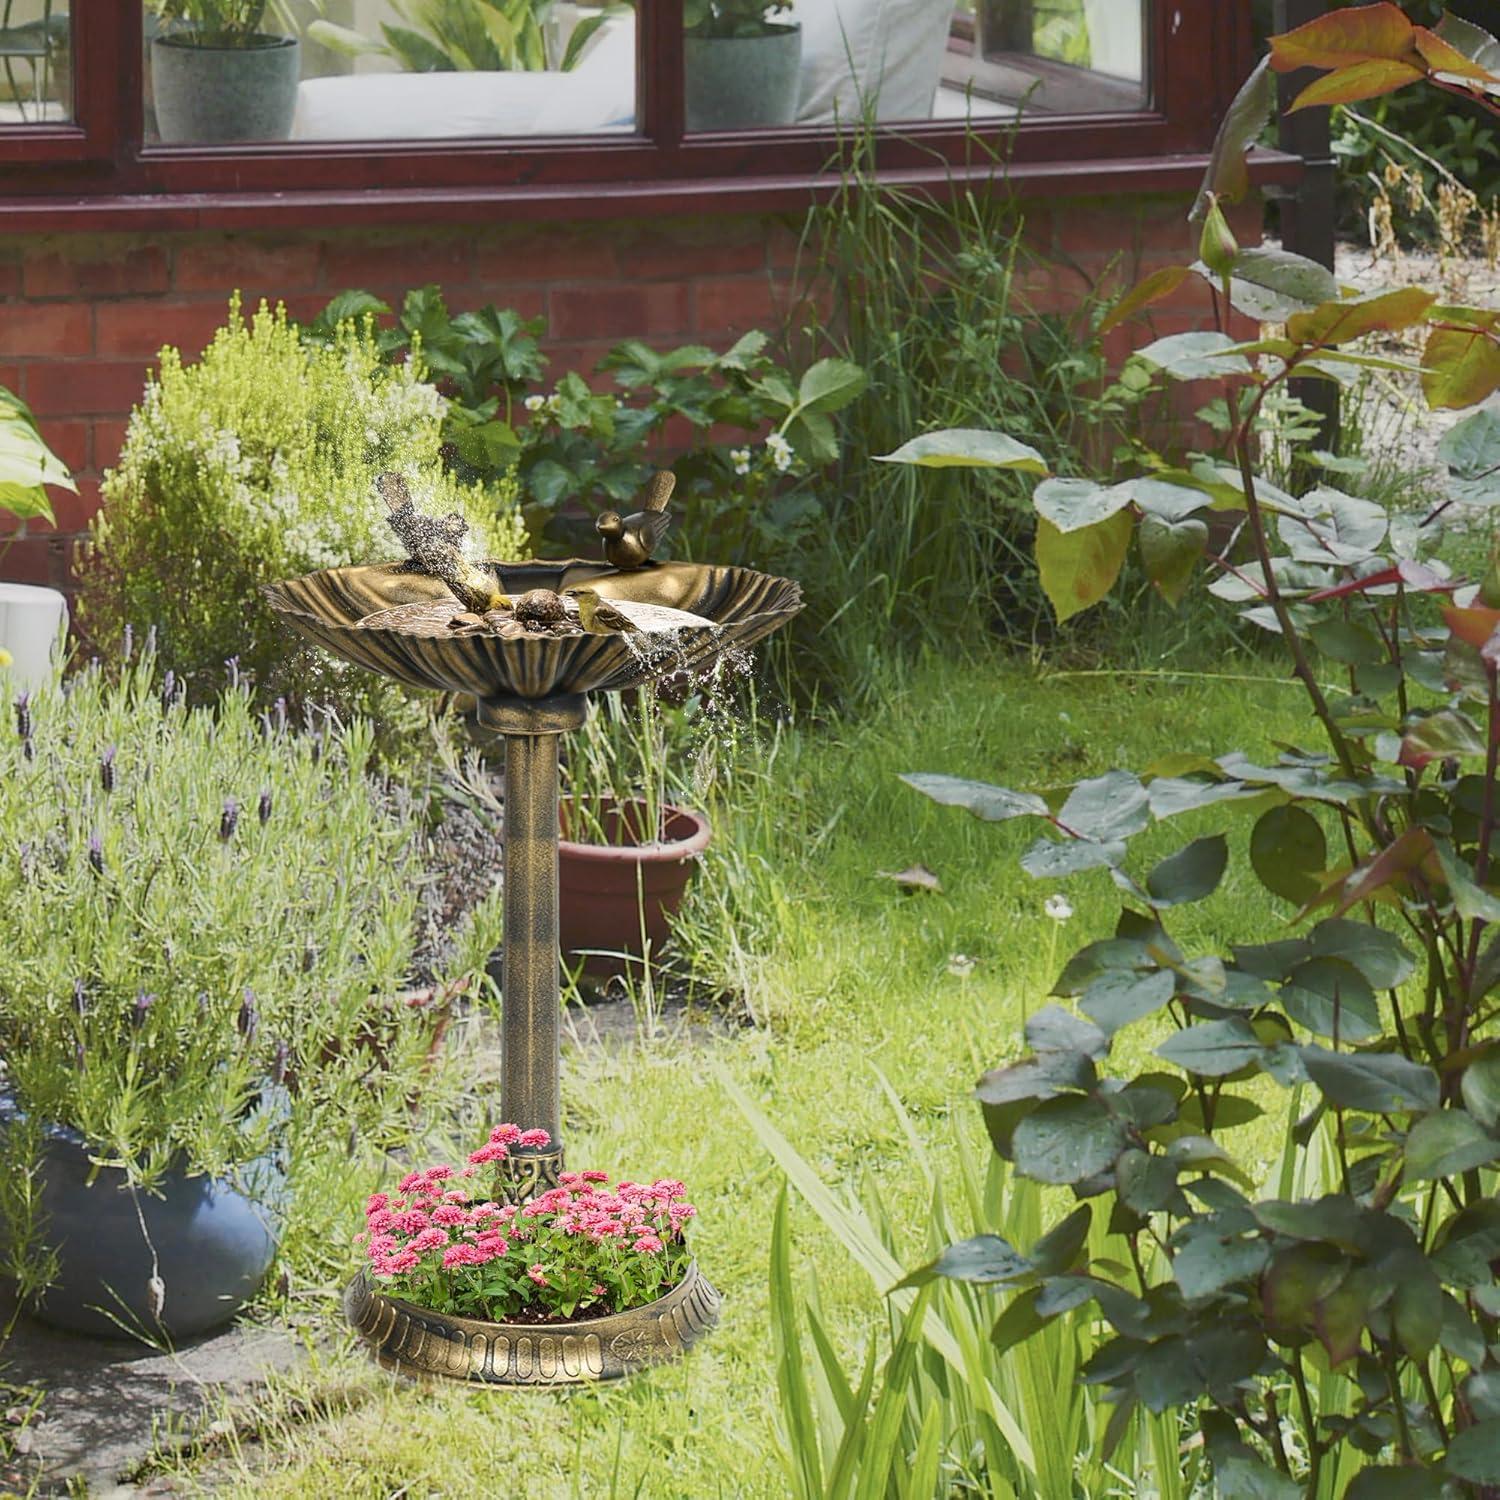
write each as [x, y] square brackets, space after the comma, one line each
[1443, 735]
[1382, 579]
[1444, 57]
[1353, 317]
[1391, 866]
[1362, 34]
[1157, 285]
[1415, 575]
[1460, 367]
[1474, 625]
[1364, 80]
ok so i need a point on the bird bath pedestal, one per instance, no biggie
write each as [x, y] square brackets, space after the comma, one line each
[531, 690]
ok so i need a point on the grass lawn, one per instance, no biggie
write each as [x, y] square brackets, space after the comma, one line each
[854, 982]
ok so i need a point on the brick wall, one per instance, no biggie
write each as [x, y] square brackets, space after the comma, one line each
[81, 318]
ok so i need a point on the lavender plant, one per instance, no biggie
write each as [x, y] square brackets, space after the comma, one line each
[1343, 1345]
[205, 912]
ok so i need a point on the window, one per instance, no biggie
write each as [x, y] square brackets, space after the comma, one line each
[373, 111]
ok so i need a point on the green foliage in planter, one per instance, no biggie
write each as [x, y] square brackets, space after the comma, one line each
[709, 18]
[575, 447]
[203, 910]
[1377, 1009]
[221, 23]
[258, 463]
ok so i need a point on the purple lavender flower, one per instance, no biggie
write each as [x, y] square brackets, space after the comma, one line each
[141, 1009]
[263, 810]
[96, 853]
[249, 1020]
[279, 1059]
[80, 999]
[229, 820]
[107, 769]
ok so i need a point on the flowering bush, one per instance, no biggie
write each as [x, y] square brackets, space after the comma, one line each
[258, 463]
[583, 1249]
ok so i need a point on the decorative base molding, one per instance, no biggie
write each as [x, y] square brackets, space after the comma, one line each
[524, 1175]
[418, 1342]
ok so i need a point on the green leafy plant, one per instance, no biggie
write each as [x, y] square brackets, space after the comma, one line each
[258, 463]
[446, 36]
[209, 919]
[1339, 1344]
[221, 23]
[706, 18]
[573, 446]
[27, 464]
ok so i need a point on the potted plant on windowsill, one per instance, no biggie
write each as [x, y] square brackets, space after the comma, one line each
[205, 919]
[217, 75]
[740, 67]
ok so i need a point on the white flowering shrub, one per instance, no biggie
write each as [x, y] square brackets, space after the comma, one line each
[258, 463]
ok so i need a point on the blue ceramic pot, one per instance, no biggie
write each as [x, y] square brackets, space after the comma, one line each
[213, 1244]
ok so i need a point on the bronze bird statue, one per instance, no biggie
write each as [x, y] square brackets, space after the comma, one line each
[630, 540]
[435, 546]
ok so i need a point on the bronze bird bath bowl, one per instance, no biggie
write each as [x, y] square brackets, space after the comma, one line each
[530, 689]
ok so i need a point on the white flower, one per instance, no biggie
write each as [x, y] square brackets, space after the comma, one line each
[535, 403]
[740, 458]
[780, 451]
[1058, 908]
[960, 965]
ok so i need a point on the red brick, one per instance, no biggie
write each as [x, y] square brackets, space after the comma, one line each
[46, 328]
[36, 559]
[582, 357]
[650, 311]
[144, 327]
[109, 438]
[72, 512]
[547, 255]
[255, 268]
[350, 263]
[10, 375]
[69, 441]
[734, 305]
[134, 270]
[10, 277]
[654, 253]
[528, 301]
[85, 387]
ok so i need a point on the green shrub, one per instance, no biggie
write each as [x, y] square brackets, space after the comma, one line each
[204, 912]
[258, 463]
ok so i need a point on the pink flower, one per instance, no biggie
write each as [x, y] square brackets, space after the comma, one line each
[410, 1183]
[668, 1187]
[382, 1245]
[537, 1274]
[533, 1138]
[648, 1244]
[429, 1239]
[449, 1213]
[466, 1171]
[493, 1152]
[402, 1260]
[380, 1221]
[413, 1221]
[493, 1243]
[594, 1177]
[456, 1195]
[596, 1290]
[438, 1174]
[375, 1202]
[504, 1135]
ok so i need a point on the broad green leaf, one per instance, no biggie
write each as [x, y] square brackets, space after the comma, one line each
[1243, 1476]
[1447, 1143]
[1040, 1077]
[1471, 450]
[1330, 997]
[1157, 285]
[1288, 851]
[1334, 528]
[1214, 1049]
[1470, 900]
[1166, 499]
[1053, 1029]
[1191, 874]
[830, 385]
[1018, 1322]
[1474, 1453]
[1228, 178]
[1470, 41]
[1270, 285]
[1481, 1090]
[1058, 1250]
[1380, 1082]
[1170, 551]
[1344, 641]
[985, 1260]
[1438, 736]
[1146, 1183]
[1407, 1482]
[1362, 80]
[1482, 1393]
[1377, 955]
[1199, 355]
[1337, 322]
[1068, 1139]
[1460, 367]
[967, 448]
[1117, 998]
[994, 804]
[1364, 34]
[1054, 859]
[1112, 806]
[1209, 1262]
[1079, 568]
[1073, 504]
[1417, 1311]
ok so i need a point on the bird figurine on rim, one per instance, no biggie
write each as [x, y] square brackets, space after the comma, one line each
[630, 540]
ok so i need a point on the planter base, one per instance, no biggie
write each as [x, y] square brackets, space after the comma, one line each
[419, 1342]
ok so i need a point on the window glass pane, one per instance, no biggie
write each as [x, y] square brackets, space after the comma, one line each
[393, 70]
[821, 62]
[36, 74]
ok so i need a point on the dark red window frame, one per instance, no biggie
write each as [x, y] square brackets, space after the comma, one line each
[98, 173]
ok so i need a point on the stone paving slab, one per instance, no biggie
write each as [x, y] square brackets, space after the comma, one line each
[107, 1405]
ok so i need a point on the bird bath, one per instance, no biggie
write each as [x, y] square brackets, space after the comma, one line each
[531, 689]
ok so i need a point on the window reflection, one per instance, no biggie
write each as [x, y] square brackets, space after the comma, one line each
[36, 75]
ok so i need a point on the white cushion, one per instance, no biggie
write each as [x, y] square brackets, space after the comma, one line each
[884, 54]
[598, 95]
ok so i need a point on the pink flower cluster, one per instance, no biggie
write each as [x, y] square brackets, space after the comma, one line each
[578, 1243]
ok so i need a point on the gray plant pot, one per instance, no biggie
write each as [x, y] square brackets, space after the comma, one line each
[210, 94]
[732, 82]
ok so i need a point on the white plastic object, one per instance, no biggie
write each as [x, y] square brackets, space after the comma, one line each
[32, 621]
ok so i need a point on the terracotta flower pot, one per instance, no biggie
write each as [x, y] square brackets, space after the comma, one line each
[612, 896]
